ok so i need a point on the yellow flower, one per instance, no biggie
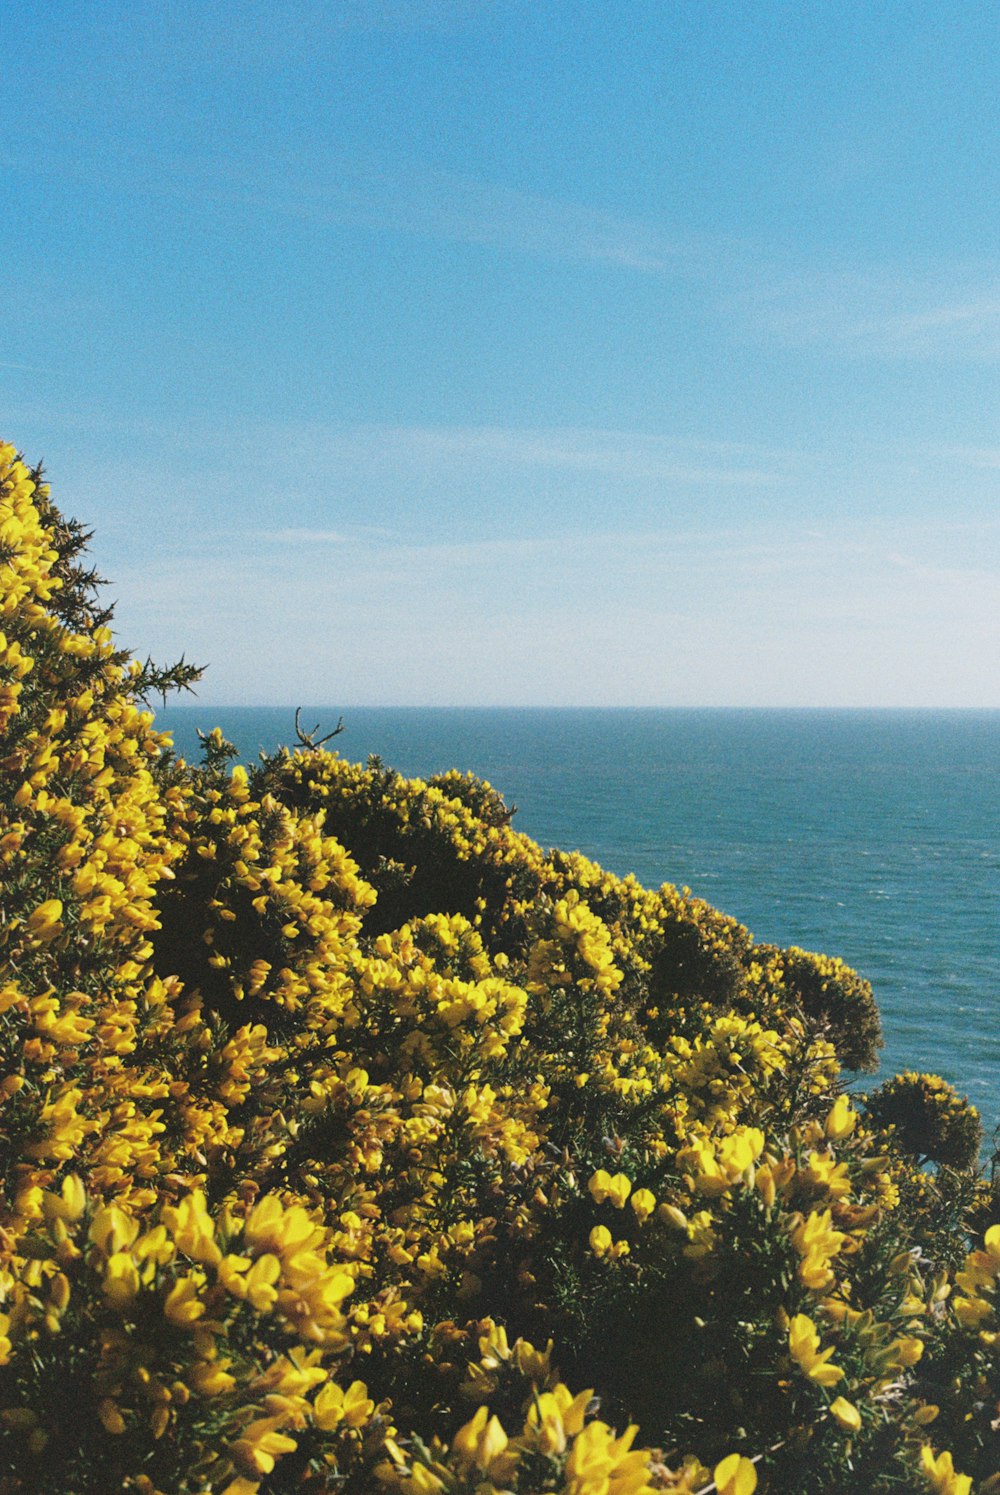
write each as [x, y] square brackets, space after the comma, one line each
[294, 1374]
[971, 1312]
[45, 921]
[121, 1279]
[841, 1120]
[334, 1405]
[558, 1415]
[182, 1305]
[714, 1170]
[110, 1415]
[69, 1204]
[260, 1446]
[259, 1283]
[272, 1227]
[210, 1378]
[846, 1413]
[740, 1150]
[735, 1475]
[481, 1442]
[672, 1216]
[643, 1203]
[599, 1462]
[940, 1473]
[822, 1174]
[906, 1351]
[533, 1364]
[604, 1186]
[193, 1229]
[600, 1240]
[112, 1229]
[818, 1242]
[803, 1342]
[701, 1236]
[423, 1481]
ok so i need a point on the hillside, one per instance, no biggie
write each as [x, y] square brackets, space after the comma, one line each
[352, 1142]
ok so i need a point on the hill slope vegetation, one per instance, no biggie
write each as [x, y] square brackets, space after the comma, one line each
[350, 1142]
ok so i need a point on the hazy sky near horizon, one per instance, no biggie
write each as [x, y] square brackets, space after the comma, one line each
[528, 352]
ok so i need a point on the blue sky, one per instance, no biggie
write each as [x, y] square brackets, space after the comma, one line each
[529, 352]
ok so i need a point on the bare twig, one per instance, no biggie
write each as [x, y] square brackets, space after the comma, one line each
[308, 739]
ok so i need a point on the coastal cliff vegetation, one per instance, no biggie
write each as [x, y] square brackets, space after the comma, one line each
[352, 1142]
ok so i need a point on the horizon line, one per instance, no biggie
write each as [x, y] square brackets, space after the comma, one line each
[535, 706]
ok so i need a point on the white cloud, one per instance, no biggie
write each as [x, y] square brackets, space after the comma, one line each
[868, 309]
[756, 615]
[27, 368]
[307, 537]
[942, 311]
[409, 198]
[983, 458]
[624, 454]
[442, 456]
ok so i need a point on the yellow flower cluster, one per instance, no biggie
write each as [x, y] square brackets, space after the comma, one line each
[326, 1097]
[586, 1457]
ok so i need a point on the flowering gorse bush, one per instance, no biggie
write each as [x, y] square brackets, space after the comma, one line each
[350, 1142]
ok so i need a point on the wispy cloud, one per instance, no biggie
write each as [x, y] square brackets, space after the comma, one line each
[466, 209]
[27, 368]
[934, 574]
[750, 615]
[874, 310]
[258, 36]
[410, 198]
[982, 458]
[942, 312]
[307, 536]
[444, 205]
[624, 454]
[628, 455]
[399, 15]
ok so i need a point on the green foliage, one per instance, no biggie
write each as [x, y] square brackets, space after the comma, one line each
[837, 1000]
[928, 1118]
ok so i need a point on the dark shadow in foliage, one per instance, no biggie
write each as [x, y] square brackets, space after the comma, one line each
[688, 966]
[411, 861]
[648, 1329]
[189, 910]
[929, 1119]
[835, 1002]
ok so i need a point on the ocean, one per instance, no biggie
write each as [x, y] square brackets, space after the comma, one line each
[872, 835]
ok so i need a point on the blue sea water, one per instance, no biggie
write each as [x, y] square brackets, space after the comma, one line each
[873, 835]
